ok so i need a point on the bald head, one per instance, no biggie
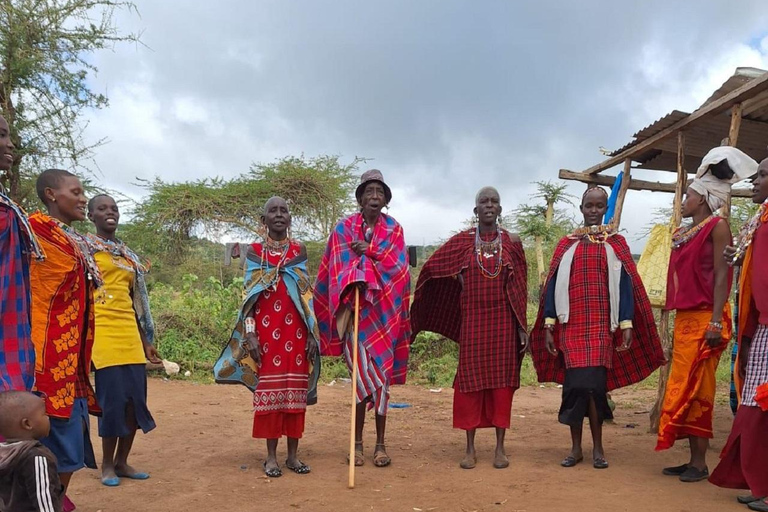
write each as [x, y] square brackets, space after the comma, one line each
[487, 191]
[23, 415]
[274, 201]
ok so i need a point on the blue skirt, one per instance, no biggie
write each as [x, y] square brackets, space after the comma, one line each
[118, 387]
[70, 440]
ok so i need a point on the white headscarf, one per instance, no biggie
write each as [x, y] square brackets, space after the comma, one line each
[715, 190]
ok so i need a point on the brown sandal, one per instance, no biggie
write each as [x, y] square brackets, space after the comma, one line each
[359, 455]
[380, 457]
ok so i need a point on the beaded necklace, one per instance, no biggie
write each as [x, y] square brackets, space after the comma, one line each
[747, 231]
[274, 247]
[595, 234]
[488, 250]
[685, 234]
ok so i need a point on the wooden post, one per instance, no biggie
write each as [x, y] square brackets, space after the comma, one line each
[666, 340]
[625, 180]
[733, 137]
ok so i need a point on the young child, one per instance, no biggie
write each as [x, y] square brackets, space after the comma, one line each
[29, 480]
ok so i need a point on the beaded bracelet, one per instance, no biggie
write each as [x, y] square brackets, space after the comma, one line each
[250, 325]
[715, 327]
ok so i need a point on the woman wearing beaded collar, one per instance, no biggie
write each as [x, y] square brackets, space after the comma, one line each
[698, 286]
[473, 290]
[595, 329]
[273, 349]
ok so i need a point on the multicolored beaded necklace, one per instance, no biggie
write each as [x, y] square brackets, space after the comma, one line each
[747, 231]
[685, 234]
[274, 247]
[488, 250]
[595, 234]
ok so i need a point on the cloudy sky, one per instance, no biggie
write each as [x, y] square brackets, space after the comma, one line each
[445, 96]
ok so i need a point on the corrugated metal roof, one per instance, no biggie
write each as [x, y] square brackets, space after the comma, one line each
[707, 133]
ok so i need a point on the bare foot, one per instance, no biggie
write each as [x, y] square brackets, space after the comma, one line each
[501, 460]
[468, 462]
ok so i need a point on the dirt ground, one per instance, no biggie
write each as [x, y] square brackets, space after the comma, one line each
[202, 458]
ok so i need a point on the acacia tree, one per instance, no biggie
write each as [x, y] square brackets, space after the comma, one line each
[45, 46]
[318, 190]
[543, 223]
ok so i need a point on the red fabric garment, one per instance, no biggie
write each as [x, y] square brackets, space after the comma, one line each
[483, 317]
[586, 339]
[275, 425]
[385, 327]
[744, 459]
[482, 409]
[644, 356]
[284, 372]
[17, 353]
[691, 274]
[760, 274]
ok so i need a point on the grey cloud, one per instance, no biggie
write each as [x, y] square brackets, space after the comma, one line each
[445, 95]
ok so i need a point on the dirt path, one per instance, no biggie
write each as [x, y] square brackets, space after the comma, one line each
[202, 458]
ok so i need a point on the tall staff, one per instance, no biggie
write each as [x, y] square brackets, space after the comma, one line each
[354, 391]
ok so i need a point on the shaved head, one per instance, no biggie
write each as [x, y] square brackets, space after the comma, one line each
[272, 200]
[16, 405]
[50, 178]
[487, 190]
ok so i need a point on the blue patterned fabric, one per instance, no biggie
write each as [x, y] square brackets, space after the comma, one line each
[234, 365]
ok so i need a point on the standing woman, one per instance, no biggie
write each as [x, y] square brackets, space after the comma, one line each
[367, 251]
[698, 286]
[123, 342]
[273, 348]
[595, 330]
[474, 290]
[17, 244]
[744, 459]
[62, 321]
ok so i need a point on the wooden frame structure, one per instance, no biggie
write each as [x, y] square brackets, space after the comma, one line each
[736, 115]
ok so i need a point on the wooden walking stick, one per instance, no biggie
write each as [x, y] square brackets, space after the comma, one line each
[354, 392]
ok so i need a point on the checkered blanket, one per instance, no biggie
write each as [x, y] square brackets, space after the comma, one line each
[385, 327]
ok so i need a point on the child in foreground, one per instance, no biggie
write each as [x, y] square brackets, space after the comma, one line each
[29, 480]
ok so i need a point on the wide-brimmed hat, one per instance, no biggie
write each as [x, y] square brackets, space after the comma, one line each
[369, 176]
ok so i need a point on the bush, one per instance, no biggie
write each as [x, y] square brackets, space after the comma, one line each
[193, 324]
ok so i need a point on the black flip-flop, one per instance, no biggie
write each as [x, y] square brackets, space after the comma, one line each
[747, 499]
[570, 461]
[600, 463]
[758, 506]
[272, 473]
[301, 469]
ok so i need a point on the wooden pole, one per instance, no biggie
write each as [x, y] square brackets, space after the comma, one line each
[648, 186]
[667, 341]
[354, 391]
[625, 182]
[733, 138]
[733, 133]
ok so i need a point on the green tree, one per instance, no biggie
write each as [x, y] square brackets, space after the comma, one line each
[318, 190]
[543, 223]
[45, 64]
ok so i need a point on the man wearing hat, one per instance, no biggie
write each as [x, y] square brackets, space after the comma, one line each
[367, 251]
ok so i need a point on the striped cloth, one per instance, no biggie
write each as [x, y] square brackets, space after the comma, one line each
[385, 327]
[757, 366]
[629, 367]
[17, 353]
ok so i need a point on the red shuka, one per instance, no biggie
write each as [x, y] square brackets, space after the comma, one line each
[483, 317]
[629, 367]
